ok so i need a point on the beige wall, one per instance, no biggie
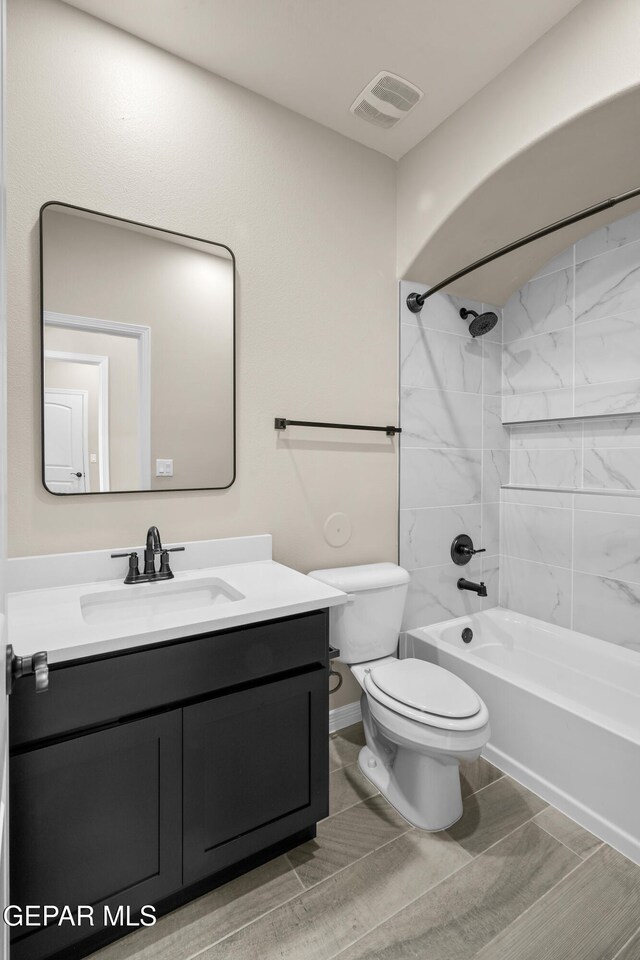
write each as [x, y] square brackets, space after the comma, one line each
[185, 296]
[588, 58]
[100, 119]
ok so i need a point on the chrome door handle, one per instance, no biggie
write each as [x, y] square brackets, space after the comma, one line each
[36, 664]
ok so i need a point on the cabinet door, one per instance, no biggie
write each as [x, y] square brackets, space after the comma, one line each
[255, 770]
[96, 820]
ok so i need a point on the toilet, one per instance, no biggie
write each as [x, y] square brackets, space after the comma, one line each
[419, 720]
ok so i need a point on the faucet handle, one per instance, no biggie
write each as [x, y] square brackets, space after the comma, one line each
[173, 549]
[462, 549]
[133, 573]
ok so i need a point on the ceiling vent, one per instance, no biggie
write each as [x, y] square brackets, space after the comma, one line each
[386, 100]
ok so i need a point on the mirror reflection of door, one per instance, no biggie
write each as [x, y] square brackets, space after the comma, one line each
[65, 448]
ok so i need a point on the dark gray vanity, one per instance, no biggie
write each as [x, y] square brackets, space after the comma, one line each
[153, 774]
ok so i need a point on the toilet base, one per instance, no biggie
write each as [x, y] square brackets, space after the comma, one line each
[424, 790]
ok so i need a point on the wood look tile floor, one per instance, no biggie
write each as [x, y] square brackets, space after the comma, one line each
[514, 879]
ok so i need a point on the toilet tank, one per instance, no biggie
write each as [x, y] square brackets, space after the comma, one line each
[367, 626]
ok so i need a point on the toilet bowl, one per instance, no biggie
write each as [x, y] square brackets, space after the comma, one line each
[412, 754]
[419, 719]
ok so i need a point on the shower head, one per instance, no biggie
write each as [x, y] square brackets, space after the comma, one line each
[481, 323]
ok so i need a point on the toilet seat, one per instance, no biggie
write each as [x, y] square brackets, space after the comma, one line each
[394, 682]
[427, 687]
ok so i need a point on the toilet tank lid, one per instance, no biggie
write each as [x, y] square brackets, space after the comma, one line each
[367, 576]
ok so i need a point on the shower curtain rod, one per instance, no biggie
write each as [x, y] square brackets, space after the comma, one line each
[416, 300]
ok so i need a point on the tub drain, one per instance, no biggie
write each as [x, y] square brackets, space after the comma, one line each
[467, 635]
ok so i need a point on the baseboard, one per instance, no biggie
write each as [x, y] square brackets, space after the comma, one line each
[341, 717]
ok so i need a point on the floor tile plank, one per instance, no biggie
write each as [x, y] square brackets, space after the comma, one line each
[589, 916]
[345, 838]
[568, 832]
[493, 813]
[348, 786]
[327, 917]
[192, 928]
[476, 775]
[345, 745]
[464, 912]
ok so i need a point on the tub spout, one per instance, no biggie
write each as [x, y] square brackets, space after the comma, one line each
[478, 588]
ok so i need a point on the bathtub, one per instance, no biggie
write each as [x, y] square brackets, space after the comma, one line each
[564, 710]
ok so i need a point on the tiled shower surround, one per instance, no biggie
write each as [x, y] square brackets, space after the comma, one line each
[564, 544]
[571, 553]
[454, 456]
[572, 333]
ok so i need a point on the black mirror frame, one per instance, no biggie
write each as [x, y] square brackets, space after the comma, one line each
[147, 226]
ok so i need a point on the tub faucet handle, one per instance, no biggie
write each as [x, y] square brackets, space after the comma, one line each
[462, 549]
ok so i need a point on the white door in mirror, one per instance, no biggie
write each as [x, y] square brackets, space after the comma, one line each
[65, 441]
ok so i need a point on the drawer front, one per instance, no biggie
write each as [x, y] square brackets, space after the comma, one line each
[103, 691]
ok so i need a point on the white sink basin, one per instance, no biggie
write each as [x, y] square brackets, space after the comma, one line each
[146, 601]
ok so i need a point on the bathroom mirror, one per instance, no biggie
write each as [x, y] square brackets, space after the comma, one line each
[138, 388]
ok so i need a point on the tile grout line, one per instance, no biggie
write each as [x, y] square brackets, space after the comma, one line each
[540, 563]
[626, 944]
[296, 874]
[480, 789]
[583, 859]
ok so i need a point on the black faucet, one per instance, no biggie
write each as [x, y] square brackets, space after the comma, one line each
[153, 547]
[478, 588]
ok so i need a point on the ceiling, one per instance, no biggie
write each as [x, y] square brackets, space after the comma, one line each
[315, 56]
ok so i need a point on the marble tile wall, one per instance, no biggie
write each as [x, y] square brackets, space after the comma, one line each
[571, 554]
[572, 333]
[454, 455]
[573, 559]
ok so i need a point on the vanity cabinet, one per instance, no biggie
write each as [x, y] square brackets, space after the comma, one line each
[154, 774]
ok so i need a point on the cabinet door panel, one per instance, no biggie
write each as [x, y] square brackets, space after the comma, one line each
[255, 770]
[96, 820]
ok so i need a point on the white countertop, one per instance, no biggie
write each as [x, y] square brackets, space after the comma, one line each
[52, 620]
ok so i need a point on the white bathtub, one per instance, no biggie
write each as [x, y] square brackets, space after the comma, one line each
[564, 711]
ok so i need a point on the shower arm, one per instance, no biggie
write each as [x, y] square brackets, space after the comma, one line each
[415, 301]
